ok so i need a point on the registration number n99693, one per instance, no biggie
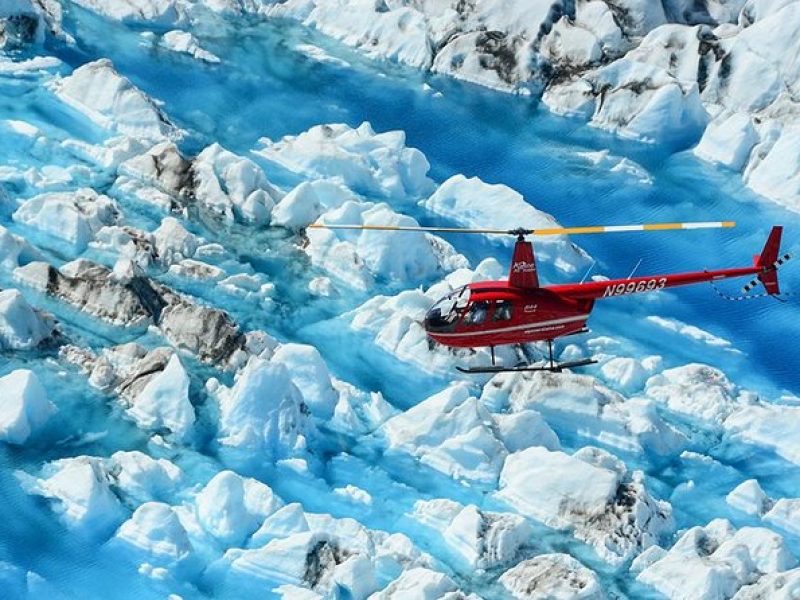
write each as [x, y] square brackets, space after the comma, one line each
[633, 287]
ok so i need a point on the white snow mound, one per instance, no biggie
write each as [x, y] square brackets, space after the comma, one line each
[231, 507]
[24, 407]
[555, 576]
[715, 561]
[113, 102]
[589, 491]
[184, 42]
[232, 186]
[264, 412]
[73, 217]
[164, 401]
[450, 432]
[369, 163]
[22, 327]
[359, 257]
[470, 202]
[478, 539]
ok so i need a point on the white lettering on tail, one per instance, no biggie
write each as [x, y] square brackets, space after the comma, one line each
[524, 267]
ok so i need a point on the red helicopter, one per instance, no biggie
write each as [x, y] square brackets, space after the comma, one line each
[519, 310]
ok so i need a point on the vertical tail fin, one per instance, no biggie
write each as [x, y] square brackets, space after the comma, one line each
[770, 252]
[523, 266]
[769, 261]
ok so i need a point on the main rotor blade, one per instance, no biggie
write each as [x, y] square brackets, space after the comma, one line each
[544, 231]
[408, 228]
[643, 227]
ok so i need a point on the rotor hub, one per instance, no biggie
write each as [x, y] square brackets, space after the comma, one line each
[520, 233]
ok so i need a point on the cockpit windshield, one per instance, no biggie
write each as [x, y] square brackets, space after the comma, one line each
[444, 314]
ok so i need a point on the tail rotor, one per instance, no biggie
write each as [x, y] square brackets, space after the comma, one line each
[769, 260]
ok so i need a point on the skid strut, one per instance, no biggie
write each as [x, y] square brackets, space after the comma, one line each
[550, 365]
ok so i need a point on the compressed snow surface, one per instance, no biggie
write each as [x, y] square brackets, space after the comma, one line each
[81, 489]
[749, 497]
[231, 507]
[477, 539]
[249, 405]
[719, 72]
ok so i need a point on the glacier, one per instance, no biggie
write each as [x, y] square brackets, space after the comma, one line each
[203, 399]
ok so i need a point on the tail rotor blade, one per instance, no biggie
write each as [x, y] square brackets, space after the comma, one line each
[769, 276]
[750, 285]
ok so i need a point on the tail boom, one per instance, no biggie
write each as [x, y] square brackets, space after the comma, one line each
[765, 269]
[653, 283]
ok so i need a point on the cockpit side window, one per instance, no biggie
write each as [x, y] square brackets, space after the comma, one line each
[443, 315]
[461, 296]
[502, 310]
[477, 313]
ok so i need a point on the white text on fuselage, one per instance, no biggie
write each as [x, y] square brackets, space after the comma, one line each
[633, 287]
[543, 329]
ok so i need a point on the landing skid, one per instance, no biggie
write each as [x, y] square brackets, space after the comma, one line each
[554, 368]
[550, 365]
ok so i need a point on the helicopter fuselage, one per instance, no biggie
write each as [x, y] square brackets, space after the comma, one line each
[497, 314]
[518, 310]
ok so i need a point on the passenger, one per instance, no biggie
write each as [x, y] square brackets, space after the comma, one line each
[477, 313]
[502, 311]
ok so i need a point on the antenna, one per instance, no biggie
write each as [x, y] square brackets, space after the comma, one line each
[635, 268]
[589, 270]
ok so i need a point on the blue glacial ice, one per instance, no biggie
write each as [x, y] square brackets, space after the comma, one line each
[202, 399]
